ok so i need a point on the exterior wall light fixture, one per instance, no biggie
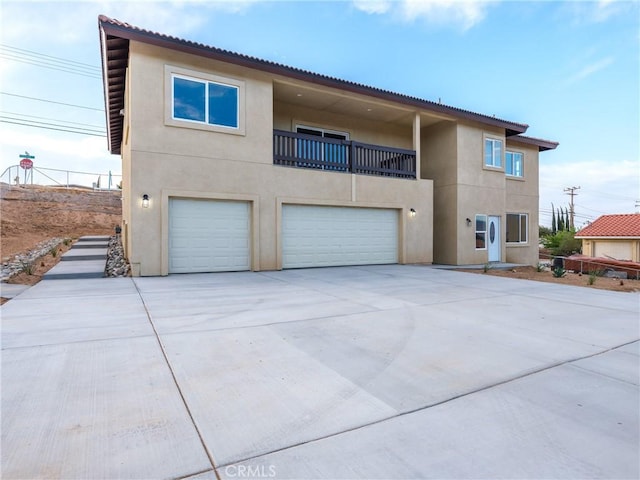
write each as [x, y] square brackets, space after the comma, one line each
[145, 201]
[412, 212]
[468, 222]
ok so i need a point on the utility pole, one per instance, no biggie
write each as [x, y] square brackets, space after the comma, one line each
[571, 191]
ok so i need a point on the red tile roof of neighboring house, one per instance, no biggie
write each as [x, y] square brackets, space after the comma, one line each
[115, 37]
[621, 225]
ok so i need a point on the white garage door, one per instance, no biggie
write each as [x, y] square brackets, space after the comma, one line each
[315, 236]
[619, 250]
[208, 236]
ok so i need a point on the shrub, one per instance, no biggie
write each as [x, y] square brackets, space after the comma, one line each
[562, 244]
[66, 242]
[592, 277]
[54, 251]
[486, 267]
[558, 272]
[26, 267]
[540, 267]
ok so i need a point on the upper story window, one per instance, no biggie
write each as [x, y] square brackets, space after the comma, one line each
[493, 152]
[513, 164]
[203, 101]
[209, 102]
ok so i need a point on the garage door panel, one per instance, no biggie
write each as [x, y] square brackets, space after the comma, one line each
[208, 236]
[317, 236]
[619, 250]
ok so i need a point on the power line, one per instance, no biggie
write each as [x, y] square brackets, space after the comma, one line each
[51, 67]
[48, 61]
[52, 128]
[58, 59]
[52, 119]
[51, 101]
[36, 122]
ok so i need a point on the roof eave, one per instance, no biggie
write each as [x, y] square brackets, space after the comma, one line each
[608, 237]
[108, 27]
[543, 145]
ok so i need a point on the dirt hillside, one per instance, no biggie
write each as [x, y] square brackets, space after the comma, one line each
[32, 214]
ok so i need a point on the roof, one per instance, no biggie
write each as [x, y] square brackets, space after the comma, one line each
[621, 225]
[542, 144]
[114, 42]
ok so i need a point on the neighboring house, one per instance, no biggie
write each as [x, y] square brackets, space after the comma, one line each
[612, 236]
[235, 163]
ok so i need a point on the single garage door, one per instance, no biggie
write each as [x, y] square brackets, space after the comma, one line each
[318, 236]
[620, 250]
[208, 236]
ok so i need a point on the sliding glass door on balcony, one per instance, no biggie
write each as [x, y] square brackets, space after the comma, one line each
[329, 155]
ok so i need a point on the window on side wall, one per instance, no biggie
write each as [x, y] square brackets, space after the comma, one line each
[517, 227]
[204, 101]
[493, 152]
[514, 164]
[481, 232]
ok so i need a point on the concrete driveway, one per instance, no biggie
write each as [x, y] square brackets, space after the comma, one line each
[355, 372]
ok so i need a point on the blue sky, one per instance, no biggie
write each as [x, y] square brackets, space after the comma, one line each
[569, 69]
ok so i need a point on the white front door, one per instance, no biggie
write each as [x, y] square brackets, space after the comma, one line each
[494, 239]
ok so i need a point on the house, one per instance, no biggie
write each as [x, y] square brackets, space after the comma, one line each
[235, 163]
[612, 236]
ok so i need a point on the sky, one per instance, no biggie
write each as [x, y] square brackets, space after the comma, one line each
[570, 70]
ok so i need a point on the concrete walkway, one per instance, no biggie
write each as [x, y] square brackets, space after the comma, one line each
[85, 259]
[358, 372]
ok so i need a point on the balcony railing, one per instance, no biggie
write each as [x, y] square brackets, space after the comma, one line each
[308, 151]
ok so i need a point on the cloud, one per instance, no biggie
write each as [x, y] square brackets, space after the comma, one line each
[460, 13]
[589, 70]
[372, 6]
[599, 11]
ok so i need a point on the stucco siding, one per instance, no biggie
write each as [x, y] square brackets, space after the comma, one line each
[438, 162]
[287, 116]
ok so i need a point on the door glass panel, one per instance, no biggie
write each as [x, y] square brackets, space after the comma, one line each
[492, 232]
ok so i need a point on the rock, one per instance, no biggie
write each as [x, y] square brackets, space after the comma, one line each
[117, 265]
[15, 265]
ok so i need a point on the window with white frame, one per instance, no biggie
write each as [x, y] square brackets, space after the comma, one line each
[205, 102]
[493, 152]
[513, 163]
[517, 227]
[481, 232]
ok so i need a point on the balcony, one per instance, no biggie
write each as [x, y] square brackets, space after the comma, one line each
[308, 151]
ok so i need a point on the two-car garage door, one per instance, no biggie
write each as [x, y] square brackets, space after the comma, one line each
[319, 236]
[214, 236]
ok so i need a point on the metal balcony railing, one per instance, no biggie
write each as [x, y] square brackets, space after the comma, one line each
[308, 151]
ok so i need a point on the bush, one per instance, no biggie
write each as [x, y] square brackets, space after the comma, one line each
[562, 244]
[592, 277]
[544, 232]
[558, 272]
[26, 267]
[53, 251]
